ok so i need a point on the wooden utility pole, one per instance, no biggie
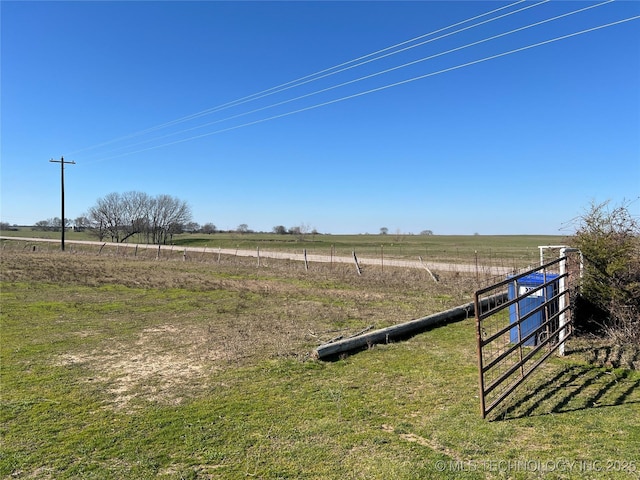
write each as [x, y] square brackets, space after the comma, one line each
[62, 163]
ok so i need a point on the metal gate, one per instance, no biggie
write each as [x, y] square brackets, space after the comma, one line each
[517, 335]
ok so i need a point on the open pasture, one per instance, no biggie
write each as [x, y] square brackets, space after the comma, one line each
[509, 251]
[121, 367]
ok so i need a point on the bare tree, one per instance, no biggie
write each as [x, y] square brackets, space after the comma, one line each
[82, 222]
[166, 212]
[57, 224]
[192, 227]
[300, 231]
[134, 213]
[106, 215]
[121, 216]
[43, 225]
[209, 228]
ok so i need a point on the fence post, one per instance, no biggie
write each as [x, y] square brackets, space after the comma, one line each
[306, 263]
[433, 277]
[331, 264]
[477, 276]
[355, 259]
[562, 301]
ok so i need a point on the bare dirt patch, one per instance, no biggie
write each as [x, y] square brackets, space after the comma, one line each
[146, 372]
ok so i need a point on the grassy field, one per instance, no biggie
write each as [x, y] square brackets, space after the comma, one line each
[134, 368]
[515, 251]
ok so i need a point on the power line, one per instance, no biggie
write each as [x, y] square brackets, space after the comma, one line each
[366, 77]
[334, 87]
[335, 72]
[348, 82]
[373, 90]
[318, 75]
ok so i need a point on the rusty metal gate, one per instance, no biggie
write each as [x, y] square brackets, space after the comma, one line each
[529, 320]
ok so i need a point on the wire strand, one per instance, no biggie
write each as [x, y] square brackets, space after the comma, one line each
[366, 77]
[373, 90]
[310, 78]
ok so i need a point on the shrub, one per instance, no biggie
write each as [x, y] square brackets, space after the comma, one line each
[609, 239]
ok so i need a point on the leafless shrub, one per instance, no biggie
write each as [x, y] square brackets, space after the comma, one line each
[609, 239]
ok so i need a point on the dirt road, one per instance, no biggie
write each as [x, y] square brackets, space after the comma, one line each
[390, 262]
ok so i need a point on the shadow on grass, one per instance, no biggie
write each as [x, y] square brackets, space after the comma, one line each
[612, 356]
[575, 387]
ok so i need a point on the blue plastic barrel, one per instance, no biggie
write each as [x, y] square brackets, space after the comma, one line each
[526, 305]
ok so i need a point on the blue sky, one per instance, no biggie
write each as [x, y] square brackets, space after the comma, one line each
[518, 144]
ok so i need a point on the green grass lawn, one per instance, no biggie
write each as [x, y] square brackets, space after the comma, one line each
[116, 368]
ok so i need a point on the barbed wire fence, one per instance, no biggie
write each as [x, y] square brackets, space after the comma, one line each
[479, 266]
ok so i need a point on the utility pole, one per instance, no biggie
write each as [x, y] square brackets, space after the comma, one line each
[62, 163]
